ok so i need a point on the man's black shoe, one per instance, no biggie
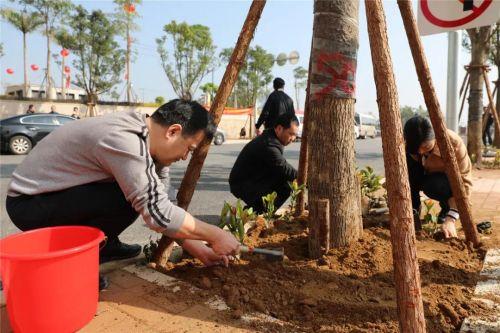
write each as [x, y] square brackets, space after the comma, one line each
[116, 250]
[103, 282]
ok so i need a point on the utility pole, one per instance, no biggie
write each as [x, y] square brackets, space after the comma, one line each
[452, 81]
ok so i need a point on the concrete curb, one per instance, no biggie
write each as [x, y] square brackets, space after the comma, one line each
[487, 291]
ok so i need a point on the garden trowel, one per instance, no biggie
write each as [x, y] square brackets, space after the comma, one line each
[269, 254]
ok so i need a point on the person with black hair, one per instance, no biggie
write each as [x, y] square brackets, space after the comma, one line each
[487, 140]
[277, 104]
[261, 168]
[426, 171]
[106, 171]
[31, 109]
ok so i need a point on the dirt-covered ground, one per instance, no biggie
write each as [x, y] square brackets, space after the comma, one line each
[347, 290]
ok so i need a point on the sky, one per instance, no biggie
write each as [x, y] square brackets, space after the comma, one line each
[285, 26]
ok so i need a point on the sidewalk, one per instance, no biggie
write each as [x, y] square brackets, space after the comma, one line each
[156, 302]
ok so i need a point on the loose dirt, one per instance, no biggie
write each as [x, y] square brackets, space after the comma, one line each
[347, 290]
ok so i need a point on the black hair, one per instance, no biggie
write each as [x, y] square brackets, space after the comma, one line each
[417, 130]
[29, 106]
[191, 115]
[278, 83]
[286, 120]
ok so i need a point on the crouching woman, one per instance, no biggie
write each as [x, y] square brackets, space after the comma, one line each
[426, 169]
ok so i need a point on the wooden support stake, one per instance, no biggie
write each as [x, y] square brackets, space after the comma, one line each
[406, 271]
[318, 227]
[466, 78]
[492, 107]
[463, 98]
[443, 141]
[302, 172]
[193, 171]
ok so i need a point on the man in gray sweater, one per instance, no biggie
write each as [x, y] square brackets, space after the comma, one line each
[103, 172]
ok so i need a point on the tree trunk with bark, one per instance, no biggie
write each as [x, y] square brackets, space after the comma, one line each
[443, 141]
[479, 38]
[48, 77]
[25, 56]
[406, 271]
[496, 141]
[193, 171]
[331, 169]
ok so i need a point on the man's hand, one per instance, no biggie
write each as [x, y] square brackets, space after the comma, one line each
[206, 255]
[257, 131]
[448, 227]
[223, 243]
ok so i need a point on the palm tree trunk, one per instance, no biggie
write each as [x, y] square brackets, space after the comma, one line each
[406, 272]
[193, 171]
[331, 171]
[25, 55]
[49, 85]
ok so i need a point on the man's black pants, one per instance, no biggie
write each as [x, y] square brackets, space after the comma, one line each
[99, 205]
[435, 185]
[252, 192]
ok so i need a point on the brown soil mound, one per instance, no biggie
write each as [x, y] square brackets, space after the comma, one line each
[347, 290]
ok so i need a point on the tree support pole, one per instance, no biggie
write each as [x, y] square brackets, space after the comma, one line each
[302, 172]
[492, 107]
[443, 141]
[406, 271]
[193, 171]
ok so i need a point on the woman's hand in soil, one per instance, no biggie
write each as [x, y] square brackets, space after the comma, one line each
[448, 228]
[206, 255]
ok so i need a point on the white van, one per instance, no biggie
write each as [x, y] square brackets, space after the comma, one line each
[366, 125]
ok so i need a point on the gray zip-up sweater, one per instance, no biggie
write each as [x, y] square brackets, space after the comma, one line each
[113, 147]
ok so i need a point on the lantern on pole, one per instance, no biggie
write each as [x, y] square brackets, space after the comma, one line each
[129, 8]
[64, 53]
[67, 70]
[10, 71]
[34, 67]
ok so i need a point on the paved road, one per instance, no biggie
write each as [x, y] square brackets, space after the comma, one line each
[212, 189]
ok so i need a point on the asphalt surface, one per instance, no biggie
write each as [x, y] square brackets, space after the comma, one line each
[212, 189]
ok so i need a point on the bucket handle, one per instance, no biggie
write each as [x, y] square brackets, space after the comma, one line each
[103, 243]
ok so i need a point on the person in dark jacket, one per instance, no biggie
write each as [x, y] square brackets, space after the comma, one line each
[277, 104]
[261, 169]
[487, 140]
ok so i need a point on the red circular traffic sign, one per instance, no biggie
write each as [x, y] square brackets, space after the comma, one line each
[453, 23]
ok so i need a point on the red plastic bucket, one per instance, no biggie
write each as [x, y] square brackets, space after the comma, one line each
[50, 278]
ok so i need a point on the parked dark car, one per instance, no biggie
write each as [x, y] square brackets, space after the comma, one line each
[19, 134]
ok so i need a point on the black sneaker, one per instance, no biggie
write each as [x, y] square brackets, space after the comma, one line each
[103, 282]
[116, 250]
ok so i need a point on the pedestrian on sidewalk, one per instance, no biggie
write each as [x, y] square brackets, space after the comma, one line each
[277, 104]
[261, 168]
[426, 171]
[106, 171]
[487, 140]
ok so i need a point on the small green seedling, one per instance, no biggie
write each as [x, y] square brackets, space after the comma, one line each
[235, 218]
[370, 182]
[430, 220]
[268, 201]
[294, 194]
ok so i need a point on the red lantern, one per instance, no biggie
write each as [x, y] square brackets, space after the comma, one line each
[67, 70]
[130, 8]
[10, 71]
[64, 52]
[34, 67]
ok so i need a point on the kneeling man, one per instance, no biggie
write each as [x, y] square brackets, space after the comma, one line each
[261, 169]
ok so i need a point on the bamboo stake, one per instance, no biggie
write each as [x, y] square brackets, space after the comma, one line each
[303, 158]
[193, 171]
[443, 141]
[492, 107]
[463, 99]
[406, 271]
[317, 228]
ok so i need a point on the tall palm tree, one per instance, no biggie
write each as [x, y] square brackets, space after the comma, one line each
[26, 23]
